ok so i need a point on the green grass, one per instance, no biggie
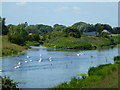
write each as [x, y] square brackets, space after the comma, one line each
[8, 48]
[115, 35]
[111, 81]
[85, 42]
[103, 76]
[34, 43]
[116, 38]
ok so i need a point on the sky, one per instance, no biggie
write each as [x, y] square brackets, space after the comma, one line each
[65, 13]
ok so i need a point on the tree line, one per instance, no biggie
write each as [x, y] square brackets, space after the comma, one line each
[23, 32]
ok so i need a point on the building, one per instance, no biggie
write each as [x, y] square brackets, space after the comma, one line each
[106, 32]
[90, 33]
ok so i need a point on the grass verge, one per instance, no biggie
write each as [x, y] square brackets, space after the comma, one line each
[8, 48]
[103, 76]
[83, 43]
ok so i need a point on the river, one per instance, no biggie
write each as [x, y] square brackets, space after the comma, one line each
[47, 74]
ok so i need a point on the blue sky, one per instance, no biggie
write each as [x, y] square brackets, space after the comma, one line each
[66, 13]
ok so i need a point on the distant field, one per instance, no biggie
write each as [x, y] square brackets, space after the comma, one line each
[8, 48]
[115, 34]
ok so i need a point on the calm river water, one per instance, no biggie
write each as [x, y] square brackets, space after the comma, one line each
[47, 74]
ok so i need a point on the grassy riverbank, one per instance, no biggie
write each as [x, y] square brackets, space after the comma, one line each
[85, 42]
[33, 43]
[8, 48]
[103, 76]
[116, 38]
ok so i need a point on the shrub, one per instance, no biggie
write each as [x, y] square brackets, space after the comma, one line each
[95, 74]
[71, 31]
[102, 70]
[7, 83]
[117, 59]
[17, 35]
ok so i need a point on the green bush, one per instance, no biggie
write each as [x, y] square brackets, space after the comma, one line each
[8, 48]
[73, 82]
[71, 31]
[34, 43]
[34, 37]
[117, 59]
[101, 70]
[7, 83]
[17, 35]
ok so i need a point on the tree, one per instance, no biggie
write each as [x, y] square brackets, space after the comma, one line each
[107, 27]
[9, 26]
[39, 28]
[71, 31]
[3, 27]
[7, 83]
[34, 37]
[99, 28]
[17, 35]
[89, 28]
[58, 27]
[116, 30]
[24, 25]
[80, 26]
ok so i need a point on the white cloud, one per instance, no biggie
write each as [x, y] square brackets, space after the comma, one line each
[21, 3]
[68, 8]
[76, 8]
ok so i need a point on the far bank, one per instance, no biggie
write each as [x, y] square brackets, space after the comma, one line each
[8, 48]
